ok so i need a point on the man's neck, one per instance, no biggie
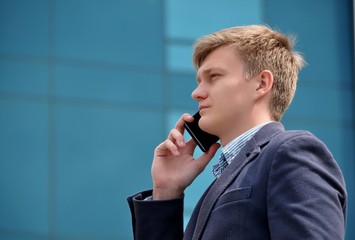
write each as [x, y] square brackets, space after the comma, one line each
[231, 135]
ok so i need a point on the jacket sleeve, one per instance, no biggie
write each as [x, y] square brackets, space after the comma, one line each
[306, 193]
[156, 219]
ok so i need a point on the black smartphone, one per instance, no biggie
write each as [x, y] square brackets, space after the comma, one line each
[203, 139]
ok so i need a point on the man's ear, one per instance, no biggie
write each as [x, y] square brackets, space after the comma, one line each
[265, 83]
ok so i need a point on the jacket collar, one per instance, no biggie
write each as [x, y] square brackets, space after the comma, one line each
[250, 151]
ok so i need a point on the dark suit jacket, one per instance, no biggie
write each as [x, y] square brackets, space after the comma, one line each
[282, 185]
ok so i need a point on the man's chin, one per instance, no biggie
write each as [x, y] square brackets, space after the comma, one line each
[206, 125]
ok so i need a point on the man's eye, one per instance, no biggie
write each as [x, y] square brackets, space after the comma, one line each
[215, 76]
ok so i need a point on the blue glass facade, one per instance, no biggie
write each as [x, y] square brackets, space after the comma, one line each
[89, 88]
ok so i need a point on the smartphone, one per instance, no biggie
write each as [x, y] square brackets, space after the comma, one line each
[203, 139]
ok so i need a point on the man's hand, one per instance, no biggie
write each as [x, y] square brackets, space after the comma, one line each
[174, 167]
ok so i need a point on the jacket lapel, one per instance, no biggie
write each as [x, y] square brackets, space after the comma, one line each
[246, 155]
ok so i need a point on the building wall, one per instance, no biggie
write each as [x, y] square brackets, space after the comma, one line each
[89, 88]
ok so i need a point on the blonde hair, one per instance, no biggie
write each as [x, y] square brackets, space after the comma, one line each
[260, 48]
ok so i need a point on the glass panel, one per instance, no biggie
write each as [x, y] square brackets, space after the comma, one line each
[124, 32]
[192, 19]
[117, 85]
[24, 166]
[103, 156]
[24, 27]
[21, 77]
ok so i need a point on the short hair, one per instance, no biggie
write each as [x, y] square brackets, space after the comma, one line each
[260, 48]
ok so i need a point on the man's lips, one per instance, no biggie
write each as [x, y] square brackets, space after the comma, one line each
[202, 107]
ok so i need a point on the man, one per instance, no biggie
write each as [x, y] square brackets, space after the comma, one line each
[270, 183]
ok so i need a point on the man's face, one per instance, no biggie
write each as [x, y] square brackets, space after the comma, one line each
[225, 96]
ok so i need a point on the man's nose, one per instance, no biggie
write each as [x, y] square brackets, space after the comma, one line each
[199, 93]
